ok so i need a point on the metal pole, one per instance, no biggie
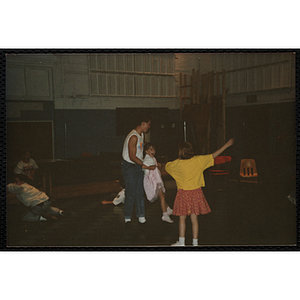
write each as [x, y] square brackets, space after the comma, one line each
[66, 154]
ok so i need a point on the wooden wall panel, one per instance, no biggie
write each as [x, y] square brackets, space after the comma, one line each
[94, 84]
[130, 85]
[29, 83]
[256, 71]
[147, 85]
[137, 74]
[15, 82]
[130, 62]
[121, 85]
[148, 63]
[139, 85]
[102, 84]
[121, 62]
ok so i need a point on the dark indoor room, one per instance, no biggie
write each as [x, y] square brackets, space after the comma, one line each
[71, 112]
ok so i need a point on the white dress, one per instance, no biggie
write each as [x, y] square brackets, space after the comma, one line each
[152, 180]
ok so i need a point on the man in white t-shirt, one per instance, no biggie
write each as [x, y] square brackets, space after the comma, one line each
[133, 174]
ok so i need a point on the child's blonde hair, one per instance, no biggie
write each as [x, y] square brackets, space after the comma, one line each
[186, 151]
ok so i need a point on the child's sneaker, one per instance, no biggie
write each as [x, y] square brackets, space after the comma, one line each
[166, 218]
[42, 219]
[169, 210]
[177, 244]
[195, 242]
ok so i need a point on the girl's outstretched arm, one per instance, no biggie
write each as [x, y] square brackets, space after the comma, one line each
[228, 144]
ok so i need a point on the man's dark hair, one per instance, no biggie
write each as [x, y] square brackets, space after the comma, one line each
[142, 118]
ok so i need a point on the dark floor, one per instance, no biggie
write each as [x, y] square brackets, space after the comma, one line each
[245, 214]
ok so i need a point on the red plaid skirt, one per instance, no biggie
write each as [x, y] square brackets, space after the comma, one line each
[189, 202]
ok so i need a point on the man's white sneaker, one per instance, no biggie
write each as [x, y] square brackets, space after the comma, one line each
[142, 220]
[169, 210]
[177, 244]
[166, 218]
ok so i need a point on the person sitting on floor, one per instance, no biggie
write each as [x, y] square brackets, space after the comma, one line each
[27, 166]
[37, 201]
[120, 198]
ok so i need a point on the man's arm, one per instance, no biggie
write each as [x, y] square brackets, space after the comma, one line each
[148, 167]
[132, 150]
[14, 188]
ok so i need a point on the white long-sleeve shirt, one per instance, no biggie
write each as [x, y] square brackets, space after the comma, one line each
[27, 194]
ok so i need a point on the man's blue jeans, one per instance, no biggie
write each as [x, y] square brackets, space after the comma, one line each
[33, 213]
[133, 176]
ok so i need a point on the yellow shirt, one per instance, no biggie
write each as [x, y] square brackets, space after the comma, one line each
[188, 173]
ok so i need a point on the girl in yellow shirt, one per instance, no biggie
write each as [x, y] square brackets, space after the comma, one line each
[187, 171]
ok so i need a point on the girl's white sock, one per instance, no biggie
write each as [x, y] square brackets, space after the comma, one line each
[182, 240]
[195, 242]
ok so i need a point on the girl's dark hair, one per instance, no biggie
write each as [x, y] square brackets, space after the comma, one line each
[186, 151]
[147, 146]
[142, 118]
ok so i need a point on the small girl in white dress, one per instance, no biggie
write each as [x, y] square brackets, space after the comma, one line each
[153, 184]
